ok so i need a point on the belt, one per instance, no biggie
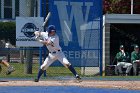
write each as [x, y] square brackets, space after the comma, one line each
[54, 51]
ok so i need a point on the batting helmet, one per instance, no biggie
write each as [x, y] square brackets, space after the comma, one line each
[50, 28]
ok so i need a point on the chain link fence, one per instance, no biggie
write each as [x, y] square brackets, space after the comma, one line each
[17, 57]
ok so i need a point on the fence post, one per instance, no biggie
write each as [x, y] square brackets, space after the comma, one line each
[22, 51]
[28, 62]
[7, 45]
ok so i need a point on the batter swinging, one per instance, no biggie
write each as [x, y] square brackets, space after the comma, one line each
[51, 40]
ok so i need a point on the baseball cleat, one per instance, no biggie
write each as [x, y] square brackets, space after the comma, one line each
[78, 78]
[10, 70]
[36, 80]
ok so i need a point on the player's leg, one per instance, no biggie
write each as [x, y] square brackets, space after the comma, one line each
[48, 61]
[0, 68]
[40, 72]
[135, 72]
[71, 68]
[5, 63]
[10, 68]
[129, 66]
[61, 57]
[119, 66]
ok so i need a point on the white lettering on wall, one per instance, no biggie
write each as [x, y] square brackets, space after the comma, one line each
[81, 54]
[76, 13]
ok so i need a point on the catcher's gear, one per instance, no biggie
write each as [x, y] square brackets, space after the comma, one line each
[10, 70]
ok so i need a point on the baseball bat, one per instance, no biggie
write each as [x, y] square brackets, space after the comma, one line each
[46, 19]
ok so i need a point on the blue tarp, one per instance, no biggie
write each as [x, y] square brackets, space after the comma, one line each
[61, 89]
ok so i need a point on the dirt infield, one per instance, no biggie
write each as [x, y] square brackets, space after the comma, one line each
[131, 85]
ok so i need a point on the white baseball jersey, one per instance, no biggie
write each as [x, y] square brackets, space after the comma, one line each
[52, 39]
[55, 52]
[55, 43]
[44, 35]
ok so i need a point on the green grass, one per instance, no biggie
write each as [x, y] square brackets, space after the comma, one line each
[20, 73]
[56, 72]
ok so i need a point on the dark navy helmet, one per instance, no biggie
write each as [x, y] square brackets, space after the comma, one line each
[51, 28]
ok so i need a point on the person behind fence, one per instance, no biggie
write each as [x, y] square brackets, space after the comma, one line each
[123, 61]
[51, 40]
[10, 68]
[135, 59]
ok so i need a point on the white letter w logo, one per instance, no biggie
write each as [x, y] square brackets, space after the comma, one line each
[69, 12]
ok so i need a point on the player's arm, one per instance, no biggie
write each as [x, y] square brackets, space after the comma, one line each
[133, 57]
[37, 35]
[47, 42]
[44, 35]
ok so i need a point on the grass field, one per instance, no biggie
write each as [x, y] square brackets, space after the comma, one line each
[20, 73]
[56, 72]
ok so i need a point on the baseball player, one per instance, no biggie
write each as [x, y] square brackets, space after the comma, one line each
[51, 40]
[10, 68]
[123, 61]
[135, 59]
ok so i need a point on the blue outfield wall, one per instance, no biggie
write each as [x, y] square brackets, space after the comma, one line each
[79, 25]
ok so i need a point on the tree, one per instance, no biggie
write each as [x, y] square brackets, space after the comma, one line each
[120, 6]
[136, 6]
[8, 31]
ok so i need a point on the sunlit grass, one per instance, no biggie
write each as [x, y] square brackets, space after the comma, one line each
[20, 73]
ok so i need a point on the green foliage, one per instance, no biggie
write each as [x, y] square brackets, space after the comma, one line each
[8, 31]
[7, 26]
[117, 6]
[120, 6]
